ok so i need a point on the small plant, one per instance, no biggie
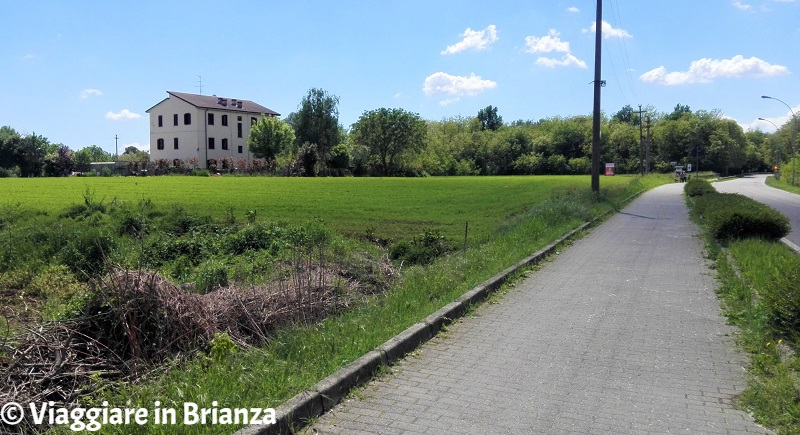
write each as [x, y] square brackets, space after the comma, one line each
[425, 248]
[210, 276]
[222, 347]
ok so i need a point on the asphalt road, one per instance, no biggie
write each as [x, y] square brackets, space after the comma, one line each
[755, 187]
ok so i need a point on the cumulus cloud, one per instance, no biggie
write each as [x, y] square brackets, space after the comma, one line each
[552, 43]
[566, 60]
[546, 44]
[86, 93]
[706, 70]
[573, 9]
[608, 31]
[474, 39]
[449, 101]
[121, 115]
[458, 86]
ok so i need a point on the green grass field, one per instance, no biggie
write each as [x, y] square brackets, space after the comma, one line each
[391, 207]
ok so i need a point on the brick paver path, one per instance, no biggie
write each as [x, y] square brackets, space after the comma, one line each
[620, 333]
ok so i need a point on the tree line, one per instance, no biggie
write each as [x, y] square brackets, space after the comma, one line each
[395, 142]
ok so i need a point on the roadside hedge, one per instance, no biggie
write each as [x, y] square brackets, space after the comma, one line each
[698, 187]
[730, 216]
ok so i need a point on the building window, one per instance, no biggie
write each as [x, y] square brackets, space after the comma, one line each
[225, 143]
[160, 144]
[160, 120]
[187, 119]
[239, 129]
[240, 149]
[175, 143]
[253, 121]
[211, 143]
[238, 118]
[210, 119]
[175, 119]
[225, 120]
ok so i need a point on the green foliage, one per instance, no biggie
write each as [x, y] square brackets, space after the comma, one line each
[698, 187]
[489, 118]
[269, 137]
[731, 216]
[200, 173]
[222, 347]
[388, 133]
[423, 249]
[316, 121]
[210, 276]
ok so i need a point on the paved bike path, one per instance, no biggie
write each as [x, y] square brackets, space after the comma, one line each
[619, 333]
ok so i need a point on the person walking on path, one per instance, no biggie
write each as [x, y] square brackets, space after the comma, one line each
[620, 333]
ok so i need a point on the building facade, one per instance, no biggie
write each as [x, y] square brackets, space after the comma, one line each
[213, 130]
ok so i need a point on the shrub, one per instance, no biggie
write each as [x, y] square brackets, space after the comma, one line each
[733, 216]
[210, 275]
[200, 172]
[698, 187]
[425, 248]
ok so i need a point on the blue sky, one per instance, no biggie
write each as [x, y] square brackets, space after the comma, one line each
[81, 72]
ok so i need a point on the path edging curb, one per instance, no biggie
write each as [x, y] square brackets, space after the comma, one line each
[295, 412]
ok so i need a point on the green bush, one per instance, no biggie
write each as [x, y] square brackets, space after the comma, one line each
[425, 248]
[200, 173]
[698, 187]
[211, 275]
[732, 216]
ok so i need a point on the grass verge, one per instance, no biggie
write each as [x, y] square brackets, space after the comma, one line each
[758, 289]
[783, 184]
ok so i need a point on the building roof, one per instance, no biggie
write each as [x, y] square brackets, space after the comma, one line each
[220, 103]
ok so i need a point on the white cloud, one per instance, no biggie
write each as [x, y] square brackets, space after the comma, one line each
[608, 31]
[740, 5]
[123, 114]
[474, 39]
[706, 70]
[566, 60]
[458, 86]
[546, 44]
[86, 93]
[28, 57]
[449, 101]
[552, 43]
[573, 9]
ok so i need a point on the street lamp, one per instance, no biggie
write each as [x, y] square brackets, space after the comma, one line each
[794, 132]
[778, 174]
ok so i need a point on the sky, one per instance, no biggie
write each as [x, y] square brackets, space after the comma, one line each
[84, 72]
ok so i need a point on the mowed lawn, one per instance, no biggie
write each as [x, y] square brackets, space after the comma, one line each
[388, 207]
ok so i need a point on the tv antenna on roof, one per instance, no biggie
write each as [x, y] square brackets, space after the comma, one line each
[200, 84]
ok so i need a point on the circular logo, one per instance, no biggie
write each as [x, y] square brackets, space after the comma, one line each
[11, 413]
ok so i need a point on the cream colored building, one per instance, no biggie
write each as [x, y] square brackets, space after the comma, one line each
[208, 128]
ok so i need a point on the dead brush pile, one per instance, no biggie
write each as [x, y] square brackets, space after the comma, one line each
[138, 319]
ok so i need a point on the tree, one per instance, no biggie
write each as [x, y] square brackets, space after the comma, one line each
[626, 115]
[30, 155]
[269, 137]
[9, 142]
[388, 133]
[91, 154]
[680, 110]
[131, 150]
[316, 122]
[60, 163]
[489, 119]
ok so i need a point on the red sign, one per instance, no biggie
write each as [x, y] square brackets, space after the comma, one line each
[610, 169]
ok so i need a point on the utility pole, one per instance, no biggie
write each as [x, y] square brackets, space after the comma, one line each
[641, 142]
[116, 147]
[647, 148]
[200, 84]
[598, 83]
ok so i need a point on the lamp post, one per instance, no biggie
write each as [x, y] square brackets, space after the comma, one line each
[777, 174]
[794, 132]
